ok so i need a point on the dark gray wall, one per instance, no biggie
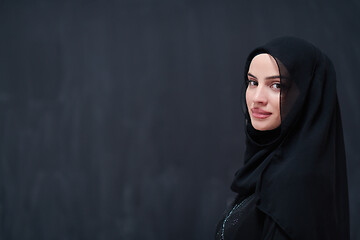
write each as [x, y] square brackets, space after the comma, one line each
[122, 119]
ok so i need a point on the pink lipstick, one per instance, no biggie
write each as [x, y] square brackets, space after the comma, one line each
[258, 113]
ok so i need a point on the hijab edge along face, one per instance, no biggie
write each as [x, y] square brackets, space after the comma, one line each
[263, 93]
[259, 137]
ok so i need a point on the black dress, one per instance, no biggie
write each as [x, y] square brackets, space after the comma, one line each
[243, 220]
[296, 172]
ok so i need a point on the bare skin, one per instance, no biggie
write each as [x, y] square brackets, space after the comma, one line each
[263, 93]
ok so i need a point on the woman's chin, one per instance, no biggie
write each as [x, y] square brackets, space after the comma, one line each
[263, 126]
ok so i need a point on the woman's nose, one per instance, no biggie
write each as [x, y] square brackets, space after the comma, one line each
[260, 95]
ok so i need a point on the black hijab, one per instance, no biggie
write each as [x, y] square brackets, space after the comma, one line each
[298, 171]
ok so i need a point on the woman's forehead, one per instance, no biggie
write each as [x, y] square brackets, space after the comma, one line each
[263, 66]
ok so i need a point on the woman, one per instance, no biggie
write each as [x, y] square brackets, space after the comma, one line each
[293, 184]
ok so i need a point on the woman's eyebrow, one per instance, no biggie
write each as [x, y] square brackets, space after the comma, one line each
[267, 78]
[250, 75]
[273, 77]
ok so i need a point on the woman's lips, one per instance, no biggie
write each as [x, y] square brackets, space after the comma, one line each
[258, 113]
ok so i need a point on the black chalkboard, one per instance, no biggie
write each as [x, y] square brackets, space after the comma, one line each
[122, 119]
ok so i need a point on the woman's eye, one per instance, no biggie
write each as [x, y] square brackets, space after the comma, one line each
[276, 85]
[252, 83]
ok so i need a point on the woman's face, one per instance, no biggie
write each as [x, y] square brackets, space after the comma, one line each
[263, 93]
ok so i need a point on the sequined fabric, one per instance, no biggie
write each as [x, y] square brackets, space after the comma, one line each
[242, 221]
